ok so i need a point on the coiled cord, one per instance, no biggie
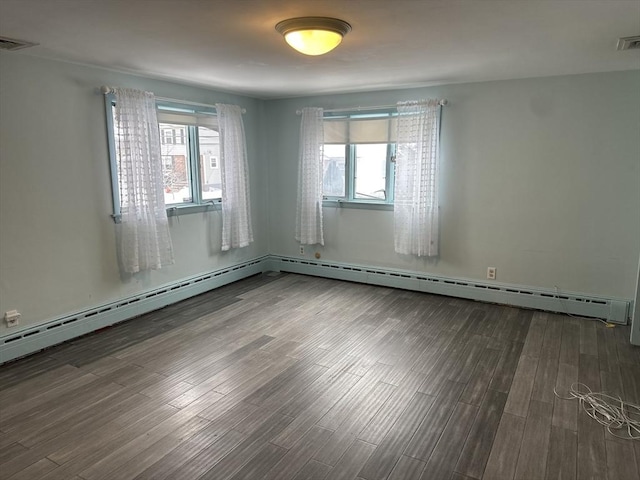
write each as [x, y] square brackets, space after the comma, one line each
[612, 412]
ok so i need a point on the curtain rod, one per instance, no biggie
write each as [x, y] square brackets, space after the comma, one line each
[106, 90]
[443, 102]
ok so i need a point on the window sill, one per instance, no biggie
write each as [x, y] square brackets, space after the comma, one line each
[363, 205]
[177, 210]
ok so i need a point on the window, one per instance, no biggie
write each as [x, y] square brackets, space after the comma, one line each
[172, 134]
[358, 158]
[166, 136]
[190, 149]
[190, 140]
[167, 161]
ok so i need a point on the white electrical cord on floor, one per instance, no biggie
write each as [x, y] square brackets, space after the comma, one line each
[612, 412]
[566, 310]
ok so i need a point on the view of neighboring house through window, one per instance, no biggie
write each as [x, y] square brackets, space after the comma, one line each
[334, 170]
[210, 174]
[358, 157]
[176, 170]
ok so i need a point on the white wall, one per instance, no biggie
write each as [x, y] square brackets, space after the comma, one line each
[57, 241]
[540, 178]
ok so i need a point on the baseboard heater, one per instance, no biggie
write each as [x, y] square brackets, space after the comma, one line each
[30, 340]
[65, 328]
[611, 310]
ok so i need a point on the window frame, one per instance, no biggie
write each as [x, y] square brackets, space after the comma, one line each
[197, 204]
[350, 200]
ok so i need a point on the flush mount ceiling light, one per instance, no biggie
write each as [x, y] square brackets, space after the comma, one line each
[313, 35]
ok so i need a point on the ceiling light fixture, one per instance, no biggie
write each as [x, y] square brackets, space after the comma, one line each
[313, 35]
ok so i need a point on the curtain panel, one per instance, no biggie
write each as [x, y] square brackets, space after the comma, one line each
[144, 241]
[416, 184]
[310, 169]
[237, 231]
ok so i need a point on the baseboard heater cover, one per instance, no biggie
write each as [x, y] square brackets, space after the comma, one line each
[609, 309]
[30, 340]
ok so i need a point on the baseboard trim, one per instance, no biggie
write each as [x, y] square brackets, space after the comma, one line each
[30, 340]
[610, 309]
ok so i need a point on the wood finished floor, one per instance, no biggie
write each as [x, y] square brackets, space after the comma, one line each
[293, 377]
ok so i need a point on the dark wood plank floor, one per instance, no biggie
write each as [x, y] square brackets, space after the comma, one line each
[284, 376]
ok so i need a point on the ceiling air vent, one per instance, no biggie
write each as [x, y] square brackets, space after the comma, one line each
[629, 43]
[13, 44]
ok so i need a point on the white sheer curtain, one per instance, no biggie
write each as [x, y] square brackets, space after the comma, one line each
[309, 210]
[143, 234]
[415, 208]
[237, 231]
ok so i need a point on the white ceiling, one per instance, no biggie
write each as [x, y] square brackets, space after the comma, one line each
[232, 45]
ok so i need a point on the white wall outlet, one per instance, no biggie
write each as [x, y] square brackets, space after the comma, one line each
[491, 273]
[12, 317]
[301, 249]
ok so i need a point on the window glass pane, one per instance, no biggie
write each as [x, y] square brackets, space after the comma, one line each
[370, 171]
[210, 176]
[175, 164]
[333, 179]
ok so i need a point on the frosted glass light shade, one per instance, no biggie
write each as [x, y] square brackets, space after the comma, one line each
[313, 35]
[313, 42]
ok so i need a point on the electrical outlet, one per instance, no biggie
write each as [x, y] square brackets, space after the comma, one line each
[12, 317]
[491, 273]
[301, 250]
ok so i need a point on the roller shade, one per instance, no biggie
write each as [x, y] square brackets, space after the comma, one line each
[360, 130]
[187, 118]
